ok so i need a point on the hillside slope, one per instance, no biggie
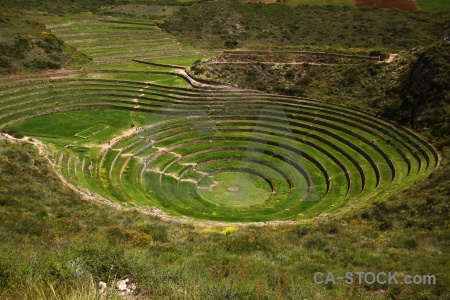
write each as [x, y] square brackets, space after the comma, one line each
[233, 25]
[27, 46]
[426, 93]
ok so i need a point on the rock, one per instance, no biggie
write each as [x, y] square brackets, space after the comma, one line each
[122, 285]
[102, 287]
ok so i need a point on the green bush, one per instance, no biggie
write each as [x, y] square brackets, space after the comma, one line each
[324, 26]
[14, 133]
[301, 230]
[410, 243]
[103, 260]
[42, 64]
[316, 243]
[156, 231]
[247, 243]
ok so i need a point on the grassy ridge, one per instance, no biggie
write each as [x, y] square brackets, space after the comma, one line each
[76, 6]
[234, 25]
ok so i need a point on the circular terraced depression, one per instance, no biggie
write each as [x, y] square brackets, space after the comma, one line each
[211, 152]
[236, 189]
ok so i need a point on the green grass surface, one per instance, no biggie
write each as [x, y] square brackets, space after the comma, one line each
[233, 158]
[170, 190]
[186, 60]
[319, 2]
[62, 127]
[119, 174]
[57, 246]
[434, 5]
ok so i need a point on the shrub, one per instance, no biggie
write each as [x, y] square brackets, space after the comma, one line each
[330, 227]
[5, 63]
[115, 234]
[157, 231]
[42, 64]
[301, 230]
[316, 243]
[103, 260]
[5, 273]
[14, 133]
[410, 243]
[245, 243]
[385, 225]
[307, 80]
[139, 238]
[231, 44]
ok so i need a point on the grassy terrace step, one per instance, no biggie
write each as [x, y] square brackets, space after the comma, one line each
[149, 56]
[137, 34]
[316, 148]
[126, 50]
[369, 124]
[100, 46]
[99, 28]
[220, 154]
[144, 54]
[184, 129]
[98, 33]
[119, 38]
[99, 38]
[128, 160]
[350, 133]
[97, 23]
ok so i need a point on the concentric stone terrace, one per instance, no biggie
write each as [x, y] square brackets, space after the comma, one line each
[114, 41]
[219, 153]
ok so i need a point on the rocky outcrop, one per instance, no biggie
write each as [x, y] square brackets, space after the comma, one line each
[124, 288]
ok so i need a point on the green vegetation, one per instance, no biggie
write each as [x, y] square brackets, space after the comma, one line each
[76, 6]
[319, 2]
[425, 94]
[140, 10]
[435, 5]
[395, 90]
[230, 24]
[27, 45]
[108, 41]
[55, 244]
[139, 145]
[328, 157]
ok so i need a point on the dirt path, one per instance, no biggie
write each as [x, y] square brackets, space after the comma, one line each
[392, 56]
[198, 84]
[269, 63]
[124, 134]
